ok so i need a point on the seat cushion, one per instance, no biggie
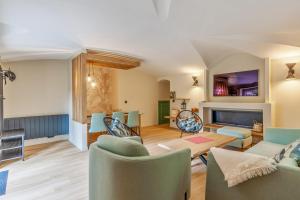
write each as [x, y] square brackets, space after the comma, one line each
[122, 146]
[267, 149]
[238, 132]
[290, 162]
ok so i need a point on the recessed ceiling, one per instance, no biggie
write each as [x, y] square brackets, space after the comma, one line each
[171, 36]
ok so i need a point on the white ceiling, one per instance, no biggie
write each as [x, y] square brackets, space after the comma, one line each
[171, 36]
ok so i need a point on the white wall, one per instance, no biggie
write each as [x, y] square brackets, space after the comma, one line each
[41, 88]
[236, 63]
[182, 85]
[164, 90]
[140, 90]
[285, 94]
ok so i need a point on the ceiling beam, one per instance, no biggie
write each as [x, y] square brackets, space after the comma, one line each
[110, 65]
[113, 60]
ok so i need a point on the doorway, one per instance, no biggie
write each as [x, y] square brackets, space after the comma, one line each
[164, 102]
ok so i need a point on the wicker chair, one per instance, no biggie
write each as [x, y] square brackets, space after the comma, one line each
[116, 128]
[188, 122]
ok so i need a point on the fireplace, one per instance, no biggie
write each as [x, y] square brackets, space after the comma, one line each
[238, 118]
[236, 114]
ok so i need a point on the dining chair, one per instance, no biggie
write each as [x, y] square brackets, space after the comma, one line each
[115, 127]
[119, 116]
[133, 120]
[97, 127]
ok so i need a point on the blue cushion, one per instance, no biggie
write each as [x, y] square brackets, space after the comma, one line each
[267, 149]
[237, 132]
[189, 125]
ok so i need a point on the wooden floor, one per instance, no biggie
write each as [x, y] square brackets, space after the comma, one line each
[58, 170]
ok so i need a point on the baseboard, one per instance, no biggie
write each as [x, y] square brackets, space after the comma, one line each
[46, 140]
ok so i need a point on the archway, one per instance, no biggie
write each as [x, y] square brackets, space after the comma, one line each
[164, 102]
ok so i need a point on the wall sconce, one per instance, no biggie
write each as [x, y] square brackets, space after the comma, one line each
[173, 95]
[291, 71]
[196, 82]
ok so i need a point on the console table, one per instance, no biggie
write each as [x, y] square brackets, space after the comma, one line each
[12, 144]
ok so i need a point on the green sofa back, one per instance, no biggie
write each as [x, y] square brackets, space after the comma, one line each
[281, 135]
[121, 146]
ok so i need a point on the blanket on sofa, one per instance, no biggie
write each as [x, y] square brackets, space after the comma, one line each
[238, 167]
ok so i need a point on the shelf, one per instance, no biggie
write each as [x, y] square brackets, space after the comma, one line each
[12, 144]
[182, 99]
[8, 144]
[11, 154]
[18, 133]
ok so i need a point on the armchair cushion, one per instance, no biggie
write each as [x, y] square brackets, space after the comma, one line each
[267, 149]
[122, 146]
[290, 162]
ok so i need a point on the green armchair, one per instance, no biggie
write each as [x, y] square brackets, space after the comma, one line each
[122, 169]
[282, 184]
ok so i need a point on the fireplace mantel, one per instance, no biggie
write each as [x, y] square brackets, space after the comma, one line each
[207, 107]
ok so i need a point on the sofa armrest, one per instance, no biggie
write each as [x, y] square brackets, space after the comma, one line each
[282, 184]
[281, 135]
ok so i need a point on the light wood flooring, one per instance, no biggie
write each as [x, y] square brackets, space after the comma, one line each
[59, 171]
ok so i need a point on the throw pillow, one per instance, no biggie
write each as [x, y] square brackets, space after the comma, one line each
[119, 129]
[293, 151]
[278, 157]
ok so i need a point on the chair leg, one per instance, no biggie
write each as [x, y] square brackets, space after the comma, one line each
[185, 196]
[181, 134]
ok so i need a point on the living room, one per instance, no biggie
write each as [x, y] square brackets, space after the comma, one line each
[159, 100]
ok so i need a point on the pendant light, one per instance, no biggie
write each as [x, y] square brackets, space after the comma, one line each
[89, 78]
[93, 83]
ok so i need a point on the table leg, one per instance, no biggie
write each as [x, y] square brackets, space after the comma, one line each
[203, 159]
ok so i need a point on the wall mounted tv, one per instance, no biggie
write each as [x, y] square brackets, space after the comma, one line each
[236, 84]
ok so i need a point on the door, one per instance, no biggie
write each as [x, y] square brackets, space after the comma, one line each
[163, 112]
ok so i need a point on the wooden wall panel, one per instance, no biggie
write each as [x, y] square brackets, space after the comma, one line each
[100, 98]
[86, 100]
[79, 94]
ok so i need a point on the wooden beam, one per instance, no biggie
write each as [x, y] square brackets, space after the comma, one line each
[113, 60]
[110, 65]
[92, 57]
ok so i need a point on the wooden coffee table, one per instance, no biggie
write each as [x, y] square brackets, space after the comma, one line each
[197, 150]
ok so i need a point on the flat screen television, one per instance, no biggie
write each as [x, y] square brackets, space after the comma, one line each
[243, 83]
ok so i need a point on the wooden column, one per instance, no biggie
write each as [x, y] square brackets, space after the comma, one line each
[79, 67]
[79, 94]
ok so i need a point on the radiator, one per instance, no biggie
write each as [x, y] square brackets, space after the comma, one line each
[39, 126]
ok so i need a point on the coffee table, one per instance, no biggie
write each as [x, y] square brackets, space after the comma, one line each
[198, 149]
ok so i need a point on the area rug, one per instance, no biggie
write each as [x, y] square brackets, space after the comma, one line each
[3, 182]
[199, 139]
